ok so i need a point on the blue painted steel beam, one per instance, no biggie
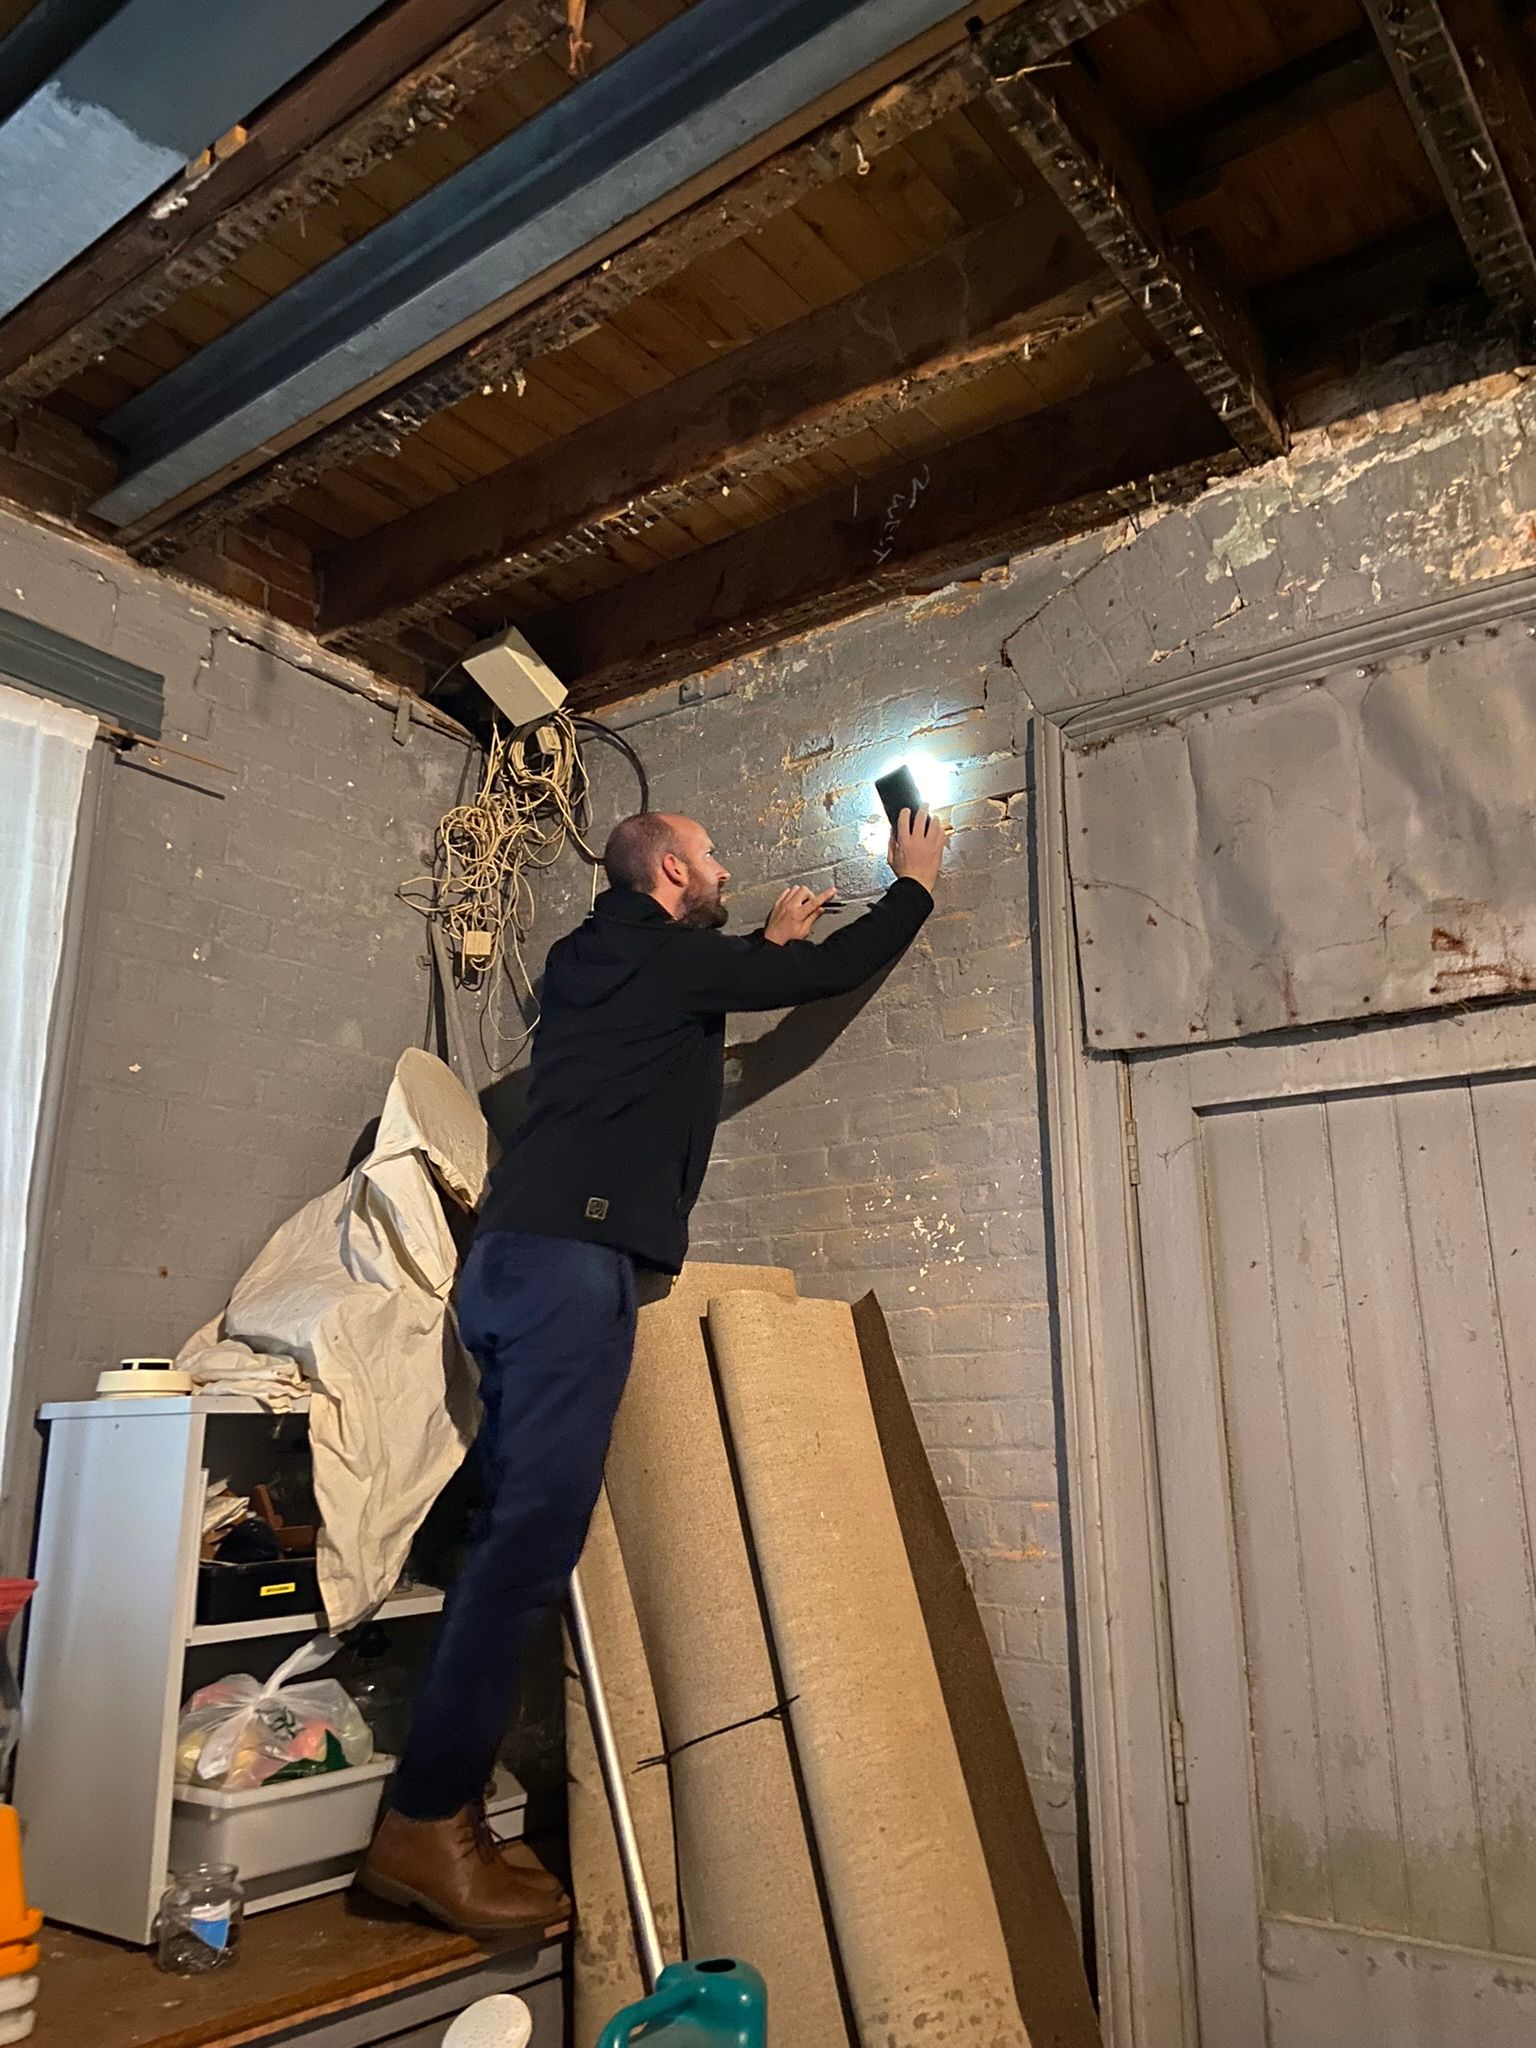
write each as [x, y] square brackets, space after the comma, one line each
[123, 113]
[669, 111]
[48, 33]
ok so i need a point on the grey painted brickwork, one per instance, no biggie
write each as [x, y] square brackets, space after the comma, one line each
[907, 1157]
[250, 977]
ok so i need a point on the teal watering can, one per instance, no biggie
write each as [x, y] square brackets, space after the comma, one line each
[717, 2004]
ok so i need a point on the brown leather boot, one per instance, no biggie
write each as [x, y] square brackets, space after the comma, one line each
[519, 1857]
[454, 1870]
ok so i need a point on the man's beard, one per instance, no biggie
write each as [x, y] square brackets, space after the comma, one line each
[703, 911]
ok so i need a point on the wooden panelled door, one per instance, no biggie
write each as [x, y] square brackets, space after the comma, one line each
[1339, 1242]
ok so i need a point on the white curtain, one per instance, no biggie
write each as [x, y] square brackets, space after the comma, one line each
[43, 752]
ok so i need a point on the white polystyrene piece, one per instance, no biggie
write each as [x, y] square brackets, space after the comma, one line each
[499, 2022]
[17, 2026]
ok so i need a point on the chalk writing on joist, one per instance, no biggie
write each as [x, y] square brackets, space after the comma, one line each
[900, 503]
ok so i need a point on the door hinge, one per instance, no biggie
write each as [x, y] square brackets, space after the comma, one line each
[1176, 1757]
[1132, 1151]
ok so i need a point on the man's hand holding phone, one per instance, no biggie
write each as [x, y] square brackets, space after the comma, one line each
[917, 847]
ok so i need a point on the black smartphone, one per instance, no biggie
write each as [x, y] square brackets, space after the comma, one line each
[898, 792]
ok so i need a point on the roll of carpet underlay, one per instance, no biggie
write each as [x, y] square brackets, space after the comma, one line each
[916, 1924]
[745, 1869]
[605, 1966]
[1048, 1976]
[699, 1281]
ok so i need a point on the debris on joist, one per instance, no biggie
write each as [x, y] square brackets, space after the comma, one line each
[1428, 46]
[1069, 133]
[575, 309]
[412, 69]
[578, 49]
[1018, 286]
[1083, 463]
[1501, 66]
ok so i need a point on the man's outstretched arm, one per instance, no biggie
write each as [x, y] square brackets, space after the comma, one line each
[759, 974]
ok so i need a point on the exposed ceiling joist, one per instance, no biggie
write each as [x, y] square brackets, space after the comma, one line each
[1056, 473]
[1022, 283]
[666, 121]
[1190, 155]
[564, 315]
[564, 312]
[1076, 144]
[158, 82]
[1428, 45]
[1400, 276]
[410, 68]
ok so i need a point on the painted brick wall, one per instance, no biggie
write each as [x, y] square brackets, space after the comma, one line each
[249, 977]
[906, 1154]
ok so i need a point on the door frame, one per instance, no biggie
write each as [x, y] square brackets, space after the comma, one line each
[1119, 1590]
[1131, 1729]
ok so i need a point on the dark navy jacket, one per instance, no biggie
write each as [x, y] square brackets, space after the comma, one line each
[629, 1063]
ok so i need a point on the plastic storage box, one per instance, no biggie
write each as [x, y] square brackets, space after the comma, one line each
[253, 1592]
[288, 1841]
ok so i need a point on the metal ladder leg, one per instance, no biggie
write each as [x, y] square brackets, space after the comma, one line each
[646, 1940]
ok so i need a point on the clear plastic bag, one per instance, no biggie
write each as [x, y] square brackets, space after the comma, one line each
[241, 1731]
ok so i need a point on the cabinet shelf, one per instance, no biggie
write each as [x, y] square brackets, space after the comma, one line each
[398, 1607]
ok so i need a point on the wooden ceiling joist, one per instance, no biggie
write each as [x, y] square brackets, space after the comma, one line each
[1074, 141]
[1058, 472]
[1190, 156]
[1402, 276]
[680, 113]
[563, 316]
[1456, 66]
[411, 68]
[1023, 283]
[1036, 31]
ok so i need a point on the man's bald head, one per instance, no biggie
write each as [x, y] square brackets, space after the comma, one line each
[632, 857]
[671, 858]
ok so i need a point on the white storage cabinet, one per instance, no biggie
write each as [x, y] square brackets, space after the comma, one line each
[111, 1633]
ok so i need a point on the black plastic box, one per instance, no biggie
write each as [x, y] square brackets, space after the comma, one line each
[252, 1592]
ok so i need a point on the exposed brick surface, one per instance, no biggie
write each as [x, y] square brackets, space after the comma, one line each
[905, 1154]
[47, 464]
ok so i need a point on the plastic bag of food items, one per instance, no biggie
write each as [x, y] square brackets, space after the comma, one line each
[242, 1732]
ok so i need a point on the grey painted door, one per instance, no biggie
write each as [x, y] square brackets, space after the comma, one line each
[1340, 1260]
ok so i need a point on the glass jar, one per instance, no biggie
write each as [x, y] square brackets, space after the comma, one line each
[201, 1914]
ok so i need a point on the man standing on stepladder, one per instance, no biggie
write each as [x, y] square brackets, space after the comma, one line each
[625, 1093]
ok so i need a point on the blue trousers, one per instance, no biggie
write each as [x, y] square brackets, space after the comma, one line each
[551, 1324]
